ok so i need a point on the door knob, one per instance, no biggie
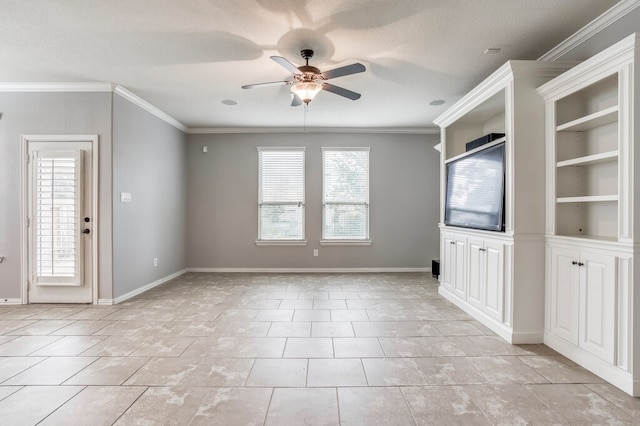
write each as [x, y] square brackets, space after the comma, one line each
[85, 231]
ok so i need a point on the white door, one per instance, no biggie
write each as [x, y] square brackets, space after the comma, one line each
[565, 293]
[598, 301]
[448, 262]
[476, 273]
[60, 223]
[459, 283]
[494, 280]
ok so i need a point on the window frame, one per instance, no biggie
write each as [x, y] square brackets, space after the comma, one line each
[302, 203]
[347, 241]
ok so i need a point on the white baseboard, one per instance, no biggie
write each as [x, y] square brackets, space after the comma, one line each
[500, 329]
[10, 301]
[623, 380]
[140, 290]
[308, 270]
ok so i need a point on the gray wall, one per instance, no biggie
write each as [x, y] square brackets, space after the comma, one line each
[223, 194]
[49, 113]
[149, 161]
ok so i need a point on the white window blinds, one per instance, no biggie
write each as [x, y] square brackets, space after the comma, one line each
[281, 208]
[345, 202]
[57, 209]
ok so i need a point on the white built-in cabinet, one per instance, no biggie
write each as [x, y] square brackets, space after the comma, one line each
[583, 298]
[498, 277]
[592, 163]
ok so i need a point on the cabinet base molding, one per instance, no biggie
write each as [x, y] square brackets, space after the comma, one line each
[612, 374]
[507, 333]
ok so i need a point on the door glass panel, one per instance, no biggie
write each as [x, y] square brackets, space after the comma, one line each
[57, 217]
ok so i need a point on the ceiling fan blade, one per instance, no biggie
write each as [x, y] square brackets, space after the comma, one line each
[285, 63]
[341, 91]
[342, 71]
[295, 100]
[271, 83]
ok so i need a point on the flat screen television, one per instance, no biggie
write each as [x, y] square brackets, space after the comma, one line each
[475, 190]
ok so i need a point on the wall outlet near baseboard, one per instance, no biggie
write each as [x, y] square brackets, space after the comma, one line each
[315, 252]
[155, 261]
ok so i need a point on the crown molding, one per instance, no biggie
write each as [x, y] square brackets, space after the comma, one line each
[100, 87]
[378, 130]
[592, 28]
[600, 65]
[56, 87]
[137, 100]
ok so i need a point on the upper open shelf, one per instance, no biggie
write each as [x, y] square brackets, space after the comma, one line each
[591, 121]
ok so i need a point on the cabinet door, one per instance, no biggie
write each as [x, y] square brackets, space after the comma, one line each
[459, 283]
[597, 302]
[564, 300]
[494, 280]
[476, 273]
[448, 262]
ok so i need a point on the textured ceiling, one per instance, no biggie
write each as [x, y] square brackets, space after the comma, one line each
[187, 57]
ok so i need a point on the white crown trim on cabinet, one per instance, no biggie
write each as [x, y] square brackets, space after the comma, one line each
[603, 21]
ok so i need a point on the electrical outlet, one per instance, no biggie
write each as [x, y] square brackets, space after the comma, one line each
[155, 261]
[315, 252]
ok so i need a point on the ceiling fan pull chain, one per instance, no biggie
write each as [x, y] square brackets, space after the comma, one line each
[306, 107]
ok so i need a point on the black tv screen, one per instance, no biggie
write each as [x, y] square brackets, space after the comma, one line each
[475, 190]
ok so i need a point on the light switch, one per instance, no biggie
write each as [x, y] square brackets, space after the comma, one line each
[125, 197]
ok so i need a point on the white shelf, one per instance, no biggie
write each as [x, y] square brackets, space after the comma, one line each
[590, 159]
[583, 237]
[587, 199]
[591, 121]
[474, 150]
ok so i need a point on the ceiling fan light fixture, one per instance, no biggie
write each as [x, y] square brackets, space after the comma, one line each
[306, 90]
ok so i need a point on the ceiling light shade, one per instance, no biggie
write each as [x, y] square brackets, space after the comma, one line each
[306, 90]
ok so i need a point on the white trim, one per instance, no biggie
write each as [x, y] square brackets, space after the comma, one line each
[282, 148]
[136, 100]
[501, 329]
[602, 22]
[346, 148]
[24, 209]
[56, 87]
[281, 242]
[611, 373]
[10, 301]
[309, 270]
[390, 130]
[141, 290]
[345, 242]
[94, 87]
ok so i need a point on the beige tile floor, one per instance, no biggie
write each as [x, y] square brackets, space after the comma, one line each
[282, 350]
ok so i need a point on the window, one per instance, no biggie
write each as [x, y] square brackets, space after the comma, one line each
[281, 194]
[345, 196]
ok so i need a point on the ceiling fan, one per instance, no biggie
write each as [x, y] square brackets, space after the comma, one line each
[308, 81]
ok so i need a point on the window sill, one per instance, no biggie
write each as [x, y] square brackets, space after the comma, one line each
[345, 242]
[281, 242]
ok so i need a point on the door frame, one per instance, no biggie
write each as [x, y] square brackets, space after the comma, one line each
[24, 206]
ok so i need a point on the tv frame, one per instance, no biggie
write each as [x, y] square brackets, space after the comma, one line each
[500, 227]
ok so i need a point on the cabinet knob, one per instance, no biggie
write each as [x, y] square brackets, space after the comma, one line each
[574, 262]
[452, 242]
[580, 264]
[482, 249]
